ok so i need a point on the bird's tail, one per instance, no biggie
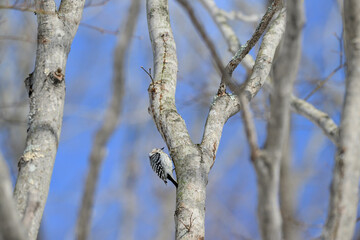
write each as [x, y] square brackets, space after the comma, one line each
[172, 180]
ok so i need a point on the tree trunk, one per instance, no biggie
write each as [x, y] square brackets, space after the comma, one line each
[344, 195]
[46, 88]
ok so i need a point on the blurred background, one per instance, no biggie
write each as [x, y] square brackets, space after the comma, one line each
[131, 202]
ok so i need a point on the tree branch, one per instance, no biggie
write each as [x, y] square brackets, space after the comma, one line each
[264, 59]
[245, 49]
[220, 20]
[321, 119]
[223, 107]
[162, 92]
[201, 30]
[254, 85]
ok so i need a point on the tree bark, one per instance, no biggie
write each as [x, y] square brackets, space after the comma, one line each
[344, 197]
[192, 161]
[46, 88]
[191, 169]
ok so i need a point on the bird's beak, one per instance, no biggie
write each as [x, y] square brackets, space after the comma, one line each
[162, 148]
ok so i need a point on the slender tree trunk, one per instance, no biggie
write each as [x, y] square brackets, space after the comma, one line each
[344, 195]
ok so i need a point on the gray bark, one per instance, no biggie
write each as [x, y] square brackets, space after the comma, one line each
[344, 197]
[46, 87]
[319, 118]
[191, 168]
[109, 124]
[192, 161]
[232, 40]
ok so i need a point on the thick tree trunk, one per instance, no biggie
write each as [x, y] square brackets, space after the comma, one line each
[191, 194]
[46, 88]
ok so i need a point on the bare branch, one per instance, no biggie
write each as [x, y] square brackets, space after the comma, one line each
[321, 119]
[245, 49]
[148, 73]
[223, 107]
[253, 84]
[321, 84]
[17, 38]
[98, 4]
[201, 30]
[168, 121]
[236, 15]
[264, 59]
[99, 29]
[232, 40]
[109, 124]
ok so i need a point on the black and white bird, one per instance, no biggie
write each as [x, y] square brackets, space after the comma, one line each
[162, 165]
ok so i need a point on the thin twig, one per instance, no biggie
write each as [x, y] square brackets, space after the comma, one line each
[98, 4]
[99, 29]
[321, 84]
[341, 65]
[148, 73]
[201, 30]
[26, 9]
[17, 38]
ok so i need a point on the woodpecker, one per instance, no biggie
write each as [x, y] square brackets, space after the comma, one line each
[162, 165]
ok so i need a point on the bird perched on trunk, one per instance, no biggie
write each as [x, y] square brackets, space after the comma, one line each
[162, 165]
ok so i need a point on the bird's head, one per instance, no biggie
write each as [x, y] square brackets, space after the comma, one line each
[155, 150]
